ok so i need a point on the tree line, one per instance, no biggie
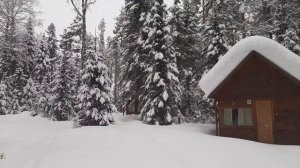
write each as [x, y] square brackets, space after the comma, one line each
[151, 65]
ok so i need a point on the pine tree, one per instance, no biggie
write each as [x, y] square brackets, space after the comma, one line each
[291, 40]
[29, 96]
[162, 92]
[133, 76]
[62, 98]
[42, 76]
[52, 47]
[42, 71]
[114, 52]
[95, 97]
[214, 33]
[3, 99]
[30, 46]
[185, 23]
[15, 84]
[101, 28]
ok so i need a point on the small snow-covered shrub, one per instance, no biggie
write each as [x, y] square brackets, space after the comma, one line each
[76, 123]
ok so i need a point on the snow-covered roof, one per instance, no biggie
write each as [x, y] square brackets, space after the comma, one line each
[269, 49]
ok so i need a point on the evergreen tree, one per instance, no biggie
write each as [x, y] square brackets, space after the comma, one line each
[62, 98]
[114, 52]
[133, 76]
[291, 40]
[52, 47]
[15, 84]
[3, 99]
[30, 46]
[186, 42]
[162, 92]
[29, 96]
[214, 33]
[42, 76]
[42, 71]
[101, 28]
[95, 97]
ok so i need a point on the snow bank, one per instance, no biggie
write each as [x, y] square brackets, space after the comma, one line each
[39, 143]
[271, 50]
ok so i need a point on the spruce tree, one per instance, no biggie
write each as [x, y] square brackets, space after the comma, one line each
[3, 99]
[61, 91]
[214, 33]
[133, 76]
[186, 43]
[42, 76]
[291, 40]
[29, 96]
[30, 47]
[52, 47]
[162, 92]
[95, 98]
[101, 29]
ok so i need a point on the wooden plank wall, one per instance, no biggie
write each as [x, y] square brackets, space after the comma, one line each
[287, 121]
[242, 132]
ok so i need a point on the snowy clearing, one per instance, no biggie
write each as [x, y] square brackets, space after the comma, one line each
[39, 143]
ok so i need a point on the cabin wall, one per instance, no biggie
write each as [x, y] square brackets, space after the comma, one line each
[257, 78]
[287, 121]
[242, 132]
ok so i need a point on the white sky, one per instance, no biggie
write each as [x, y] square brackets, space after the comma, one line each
[61, 13]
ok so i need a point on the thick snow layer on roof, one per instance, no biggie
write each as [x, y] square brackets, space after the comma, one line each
[270, 49]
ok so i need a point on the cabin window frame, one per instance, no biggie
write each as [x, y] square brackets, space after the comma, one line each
[222, 116]
[238, 116]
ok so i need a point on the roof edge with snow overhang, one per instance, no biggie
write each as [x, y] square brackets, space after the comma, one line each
[269, 49]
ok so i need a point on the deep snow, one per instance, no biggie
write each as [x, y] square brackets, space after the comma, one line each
[39, 143]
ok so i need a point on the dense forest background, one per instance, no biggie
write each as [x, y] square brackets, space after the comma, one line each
[151, 66]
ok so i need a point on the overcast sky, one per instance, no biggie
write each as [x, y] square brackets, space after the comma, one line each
[61, 13]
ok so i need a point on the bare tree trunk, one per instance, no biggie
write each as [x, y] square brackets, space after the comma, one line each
[83, 35]
[117, 73]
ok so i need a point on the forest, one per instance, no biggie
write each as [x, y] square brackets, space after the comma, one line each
[151, 66]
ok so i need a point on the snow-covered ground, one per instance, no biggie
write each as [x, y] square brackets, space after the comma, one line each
[29, 142]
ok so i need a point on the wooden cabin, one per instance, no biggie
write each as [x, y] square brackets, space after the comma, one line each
[257, 89]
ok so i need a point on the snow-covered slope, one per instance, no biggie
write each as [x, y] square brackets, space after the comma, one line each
[271, 50]
[38, 143]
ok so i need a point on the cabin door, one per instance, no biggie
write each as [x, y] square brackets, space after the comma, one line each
[264, 111]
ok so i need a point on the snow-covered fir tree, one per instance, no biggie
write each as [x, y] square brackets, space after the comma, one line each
[3, 99]
[114, 52]
[162, 90]
[30, 42]
[185, 21]
[61, 91]
[214, 33]
[95, 97]
[291, 40]
[102, 28]
[133, 76]
[42, 76]
[52, 47]
[29, 96]
[42, 69]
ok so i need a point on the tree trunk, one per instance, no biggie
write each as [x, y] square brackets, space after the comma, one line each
[83, 43]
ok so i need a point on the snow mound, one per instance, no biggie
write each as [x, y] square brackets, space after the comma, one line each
[270, 49]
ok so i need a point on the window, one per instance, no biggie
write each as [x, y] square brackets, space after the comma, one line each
[238, 116]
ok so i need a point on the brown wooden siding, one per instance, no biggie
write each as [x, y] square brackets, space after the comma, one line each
[287, 121]
[242, 132]
[257, 78]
